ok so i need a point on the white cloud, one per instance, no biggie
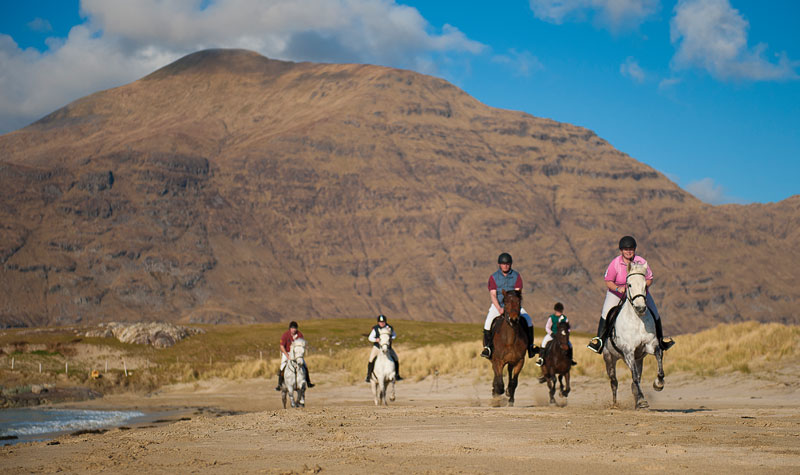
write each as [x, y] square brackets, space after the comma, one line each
[712, 35]
[123, 40]
[630, 68]
[615, 14]
[667, 84]
[523, 62]
[709, 192]
[40, 25]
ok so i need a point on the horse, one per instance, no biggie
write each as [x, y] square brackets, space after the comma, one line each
[383, 372]
[510, 345]
[557, 361]
[294, 375]
[632, 337]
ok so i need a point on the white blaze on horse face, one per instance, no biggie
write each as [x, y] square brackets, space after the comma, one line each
[385, 337]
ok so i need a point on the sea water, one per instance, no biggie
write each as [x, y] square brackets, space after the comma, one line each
[41, 424]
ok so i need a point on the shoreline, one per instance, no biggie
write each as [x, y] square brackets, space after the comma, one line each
[733, 423]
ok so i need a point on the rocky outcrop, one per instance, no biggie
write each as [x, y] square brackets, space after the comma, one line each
[159, 335]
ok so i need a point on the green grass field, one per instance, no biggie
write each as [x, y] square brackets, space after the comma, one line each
[340, 345]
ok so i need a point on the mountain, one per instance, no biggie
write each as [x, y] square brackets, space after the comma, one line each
[230, 188]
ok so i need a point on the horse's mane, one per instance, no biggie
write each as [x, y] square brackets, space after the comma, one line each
[299, 342]
[637, 268]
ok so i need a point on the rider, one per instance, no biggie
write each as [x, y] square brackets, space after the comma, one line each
[550, 329]
[504, 278]
[375, 338]
[616, 282]
[287, 338]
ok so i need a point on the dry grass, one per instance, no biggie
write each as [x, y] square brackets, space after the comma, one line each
[243, 352]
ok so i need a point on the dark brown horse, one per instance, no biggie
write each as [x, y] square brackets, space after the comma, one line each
[510, 344]
[557, 361]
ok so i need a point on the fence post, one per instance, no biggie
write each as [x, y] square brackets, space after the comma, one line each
[66, 368]
[125, 368]
[40, 367]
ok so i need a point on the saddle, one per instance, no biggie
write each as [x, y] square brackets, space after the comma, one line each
[611, 319]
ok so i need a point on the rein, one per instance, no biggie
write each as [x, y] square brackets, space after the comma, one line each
[628, 289]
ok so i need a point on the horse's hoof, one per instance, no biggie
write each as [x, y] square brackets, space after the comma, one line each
[658, 385]
[642, 404]
[552, 401]
[510, 403]
[391, 398]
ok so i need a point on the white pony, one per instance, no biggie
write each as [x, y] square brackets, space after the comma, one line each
[633, 337]
[383, 372]
[294, 375]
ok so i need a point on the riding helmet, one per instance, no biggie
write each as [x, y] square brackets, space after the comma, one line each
[381, 318]
[293, 325]
[504, 258]
[627, 242]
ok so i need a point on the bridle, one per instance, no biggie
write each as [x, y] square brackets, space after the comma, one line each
[628, 295]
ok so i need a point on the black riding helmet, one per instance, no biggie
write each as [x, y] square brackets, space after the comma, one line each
[504, 258]
[381, 318]
[627, 242]
[293, 325]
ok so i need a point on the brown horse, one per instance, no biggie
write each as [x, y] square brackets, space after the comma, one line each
[510, 345]
[557, 361]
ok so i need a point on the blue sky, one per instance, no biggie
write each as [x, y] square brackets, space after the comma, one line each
[705, 91]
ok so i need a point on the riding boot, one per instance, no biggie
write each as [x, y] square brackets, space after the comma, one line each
[308, 377]
[596, 343]
[664, 344]
[532, 349]
[280, 380]
[370, 367]
[487, 344]
[397, 376]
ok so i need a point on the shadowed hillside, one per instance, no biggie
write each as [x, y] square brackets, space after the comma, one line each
[227, 187]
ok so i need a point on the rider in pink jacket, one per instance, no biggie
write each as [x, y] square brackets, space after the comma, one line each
[616, 282]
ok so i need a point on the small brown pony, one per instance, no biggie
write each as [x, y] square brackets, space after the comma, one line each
[557, 361]
[510, 345]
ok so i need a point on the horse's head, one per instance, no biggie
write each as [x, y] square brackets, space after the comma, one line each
[512, 303]
[298, 350]
[562, 333]
[637, 288]
[385, 338]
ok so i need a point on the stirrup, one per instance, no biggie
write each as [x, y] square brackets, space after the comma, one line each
[598, 345]
[487, 352]
[666, 343]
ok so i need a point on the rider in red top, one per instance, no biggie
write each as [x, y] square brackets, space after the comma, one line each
[288, 337]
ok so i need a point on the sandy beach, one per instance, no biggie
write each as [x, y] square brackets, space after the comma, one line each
[729, 424]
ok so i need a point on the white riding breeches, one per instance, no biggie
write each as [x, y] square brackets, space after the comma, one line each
[612, 300]
[376, 351]
[548, 338]
[493, 313]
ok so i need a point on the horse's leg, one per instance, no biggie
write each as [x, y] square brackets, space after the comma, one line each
[565, 392]
[301, 396]
[374, 385]
[283, 396]
[561, 385]
[513, 379]
[497, 384]
[636, 374]
[611, 369]
[391, 398]
[658, 384]
[551, 385]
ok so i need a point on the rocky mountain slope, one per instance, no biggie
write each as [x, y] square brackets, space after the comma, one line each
[227, 187]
